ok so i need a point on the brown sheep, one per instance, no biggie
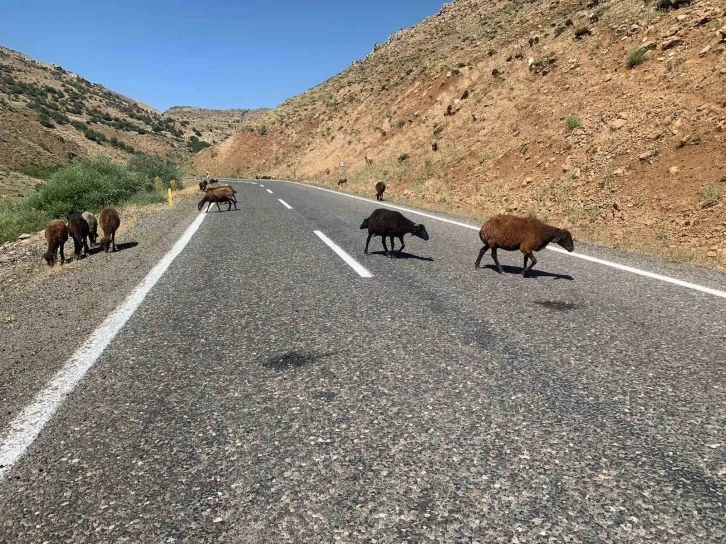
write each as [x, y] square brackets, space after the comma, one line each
[56, 234]
[434, 146]
[380, 188]
[527, 234]
[217, 195]
[342, 181]
[391, 224]
[110, 222]
[78, 230]
[203, 185]
[92, 227]
[368, 161]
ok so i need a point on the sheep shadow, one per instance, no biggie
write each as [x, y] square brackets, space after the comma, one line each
[119, 247]
[404, 255]
[214, 209]
[508, 269]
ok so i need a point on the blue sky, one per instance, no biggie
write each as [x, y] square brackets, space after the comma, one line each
[216, 54]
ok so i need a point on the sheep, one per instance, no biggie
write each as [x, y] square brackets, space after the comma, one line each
[203, 185]
[434, 146]
[56, 234]
[392, 224]
[527, 234]
[78, 230]
[342, 181]
[110, 223]
[213, 181]
[380, 188]
[368, 161]
[221, 194]
[92, 227]
[224, 189]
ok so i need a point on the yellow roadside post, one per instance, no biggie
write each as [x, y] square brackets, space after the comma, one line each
[171, 197]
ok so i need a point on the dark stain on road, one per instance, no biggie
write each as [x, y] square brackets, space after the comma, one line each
[557, 305]
[293, 359]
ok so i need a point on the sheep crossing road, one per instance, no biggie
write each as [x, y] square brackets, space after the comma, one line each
[267, 391]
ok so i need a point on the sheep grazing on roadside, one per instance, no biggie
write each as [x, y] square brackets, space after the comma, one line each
[391, 224]
[527, 234]
[434, 146]
[217, 196]
[110, 222]
[380, 188]
[327, 171]
[368, 161]
[213, 181]
[342, 181]
[56, 234]
[92, 227]
[78, 230]
[203, 185]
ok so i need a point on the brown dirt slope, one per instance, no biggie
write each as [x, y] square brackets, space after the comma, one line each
[536, 111]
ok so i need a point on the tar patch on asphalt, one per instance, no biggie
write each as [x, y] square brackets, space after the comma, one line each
[293, 359]
[557, 305]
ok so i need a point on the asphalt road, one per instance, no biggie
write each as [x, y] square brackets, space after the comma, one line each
[265, 392]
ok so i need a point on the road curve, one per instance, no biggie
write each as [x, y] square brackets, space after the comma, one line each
[267, 390]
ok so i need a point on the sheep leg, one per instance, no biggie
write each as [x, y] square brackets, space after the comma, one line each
[481, 254]
[393, 245]
[229, 205]
[113, 240]
[526, 257]
[526, 271]
[85, 245]
[496, 261]
[403, 244]
[370, 235]
[209, 205]
[385, 248]
[218, 208]
[63, 257]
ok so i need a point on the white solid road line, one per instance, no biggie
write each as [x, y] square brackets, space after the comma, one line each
[26, 427]
[285, 204]
[350, 261]
[269, 191]
[633, 270]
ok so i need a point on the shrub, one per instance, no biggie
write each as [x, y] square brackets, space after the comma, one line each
[572, 122]
[39, 171]
[45, 120]
[196, 145]
[17, 217]
[400, 123]
[403, 157]
[710, 194]
[636, 57]
[151, 167]
[438, 130]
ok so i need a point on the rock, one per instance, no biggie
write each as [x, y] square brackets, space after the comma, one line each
[673, 169]
[722, 33]
[648, 45]
[681, 18]
[645, 156]
[24, 236]
[704, 51]
[617, 124]
[670, 43]
[701, 19]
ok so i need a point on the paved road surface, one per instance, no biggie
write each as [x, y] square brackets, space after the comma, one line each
[265, 392]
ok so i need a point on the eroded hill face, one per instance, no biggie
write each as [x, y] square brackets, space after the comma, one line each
[608, 119]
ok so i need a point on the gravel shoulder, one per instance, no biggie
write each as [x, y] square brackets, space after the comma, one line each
[47, 313]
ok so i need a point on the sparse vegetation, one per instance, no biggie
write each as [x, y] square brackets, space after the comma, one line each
[400, 123]
[195, 145]
[637, 56]
[710, 194]
[403, 157]
[572, 122]
[39, 171]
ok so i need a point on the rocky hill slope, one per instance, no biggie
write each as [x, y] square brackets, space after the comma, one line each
[607, 117]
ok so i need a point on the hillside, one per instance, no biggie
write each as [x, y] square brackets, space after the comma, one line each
[48, 114]
[607, 118]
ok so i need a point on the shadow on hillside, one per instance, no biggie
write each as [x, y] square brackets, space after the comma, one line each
[533, 273]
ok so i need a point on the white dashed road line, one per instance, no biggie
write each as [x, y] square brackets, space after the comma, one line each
[269, 191]
[285, 204]
[350, 261]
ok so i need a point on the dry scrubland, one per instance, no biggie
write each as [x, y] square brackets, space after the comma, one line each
[607, 118]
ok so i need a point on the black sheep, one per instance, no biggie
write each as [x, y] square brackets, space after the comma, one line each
[78, 230]
[391, 224]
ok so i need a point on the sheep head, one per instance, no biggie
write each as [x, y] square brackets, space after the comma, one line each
[49, 258]
[564, 239]
[364, 224]
[201, 204]
[420, 231]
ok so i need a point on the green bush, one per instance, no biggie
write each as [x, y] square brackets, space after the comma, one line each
[39, 171]
[636, 57]
[151, 167]
[87, 184]
[400, 123]
[196, 145]
[17, 217]
[572, 122]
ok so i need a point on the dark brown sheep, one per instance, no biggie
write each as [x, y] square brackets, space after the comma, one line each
[92, 227]
[217, 196]
[110, 222]
[434, 146]
[56, 234]
[391, 224]
[527, 234]
[342, 181]
[203, 185]
[78, 230]
[380, 188]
